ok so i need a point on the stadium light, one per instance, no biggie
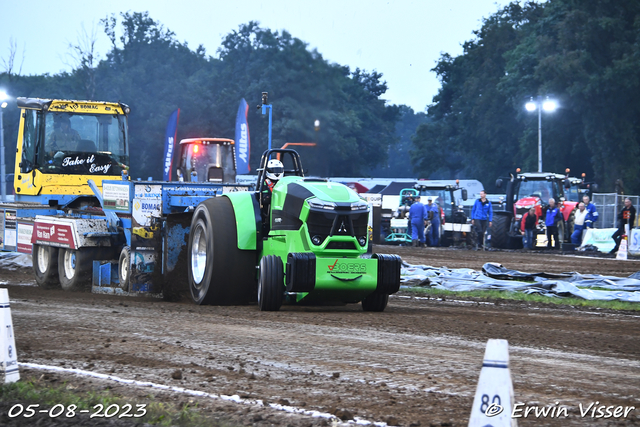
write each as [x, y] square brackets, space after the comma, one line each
[549, 106]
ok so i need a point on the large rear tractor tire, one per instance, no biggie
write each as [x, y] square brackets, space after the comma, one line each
[74, 269]
[271, 283]
[45, 266]
[219, 273]
[500, 231]
[375, 302]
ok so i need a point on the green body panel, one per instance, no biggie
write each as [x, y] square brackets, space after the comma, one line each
[341, 275]
[243, 207]
[299, 240]
[344, 279]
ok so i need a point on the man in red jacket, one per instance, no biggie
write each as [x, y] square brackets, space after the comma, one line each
[528, 227]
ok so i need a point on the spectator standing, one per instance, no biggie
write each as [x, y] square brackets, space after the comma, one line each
[554, 216]
[481, 216]
[626, 216]
[528, 227]
[592, 213]
[417, 219]
[579, 224]
[432, 212]
[408, 201]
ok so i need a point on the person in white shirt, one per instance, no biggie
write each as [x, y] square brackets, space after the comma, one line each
[579, 224]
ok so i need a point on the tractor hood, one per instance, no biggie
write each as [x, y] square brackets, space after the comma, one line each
[331, 191]
[527, 202]
[291, 194]
[301, 188]
[331, 216]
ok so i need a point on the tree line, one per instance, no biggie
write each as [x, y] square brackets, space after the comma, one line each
[148, 69]
[584, 54]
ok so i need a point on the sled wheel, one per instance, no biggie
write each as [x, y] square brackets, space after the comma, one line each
[45, 266]
[74, 269]
[124, 268]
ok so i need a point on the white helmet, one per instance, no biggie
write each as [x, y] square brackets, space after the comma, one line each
[275, 169]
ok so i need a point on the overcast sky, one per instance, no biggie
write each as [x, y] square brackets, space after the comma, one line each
[402, 39]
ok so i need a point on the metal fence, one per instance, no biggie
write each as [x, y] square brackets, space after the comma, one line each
[608, 206]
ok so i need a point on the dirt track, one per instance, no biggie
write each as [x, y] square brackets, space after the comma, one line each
[415, 364]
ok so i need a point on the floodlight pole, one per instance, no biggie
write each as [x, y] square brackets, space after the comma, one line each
[3, 170]
[548, 105]
[539, 133]
[266, 107]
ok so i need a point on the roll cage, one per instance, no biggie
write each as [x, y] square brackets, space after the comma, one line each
[296, 170]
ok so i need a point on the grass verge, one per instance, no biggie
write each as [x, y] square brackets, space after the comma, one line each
[519, 296]
[34, 390]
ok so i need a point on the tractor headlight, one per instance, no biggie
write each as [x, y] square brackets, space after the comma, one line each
[316, 240]
[359, 206]
[321, 204]
[362, 240]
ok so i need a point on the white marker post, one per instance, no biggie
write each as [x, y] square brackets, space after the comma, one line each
[493, 403]
[8, 354]
[622, 252]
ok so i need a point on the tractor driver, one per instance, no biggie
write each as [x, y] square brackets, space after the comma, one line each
[63, 137]
[273, 173]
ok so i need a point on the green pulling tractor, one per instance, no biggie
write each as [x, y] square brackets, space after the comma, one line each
[302, 241]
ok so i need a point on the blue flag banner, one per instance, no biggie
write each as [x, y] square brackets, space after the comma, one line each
[169, 143]
[243, 142]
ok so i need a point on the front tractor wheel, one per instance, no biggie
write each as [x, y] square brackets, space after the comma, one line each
[270, 284]
[375, 302]
[219, 273]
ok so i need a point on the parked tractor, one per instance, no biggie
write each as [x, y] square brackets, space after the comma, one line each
[453, 222]
[400, 224]
[533, 190]
[578, 188]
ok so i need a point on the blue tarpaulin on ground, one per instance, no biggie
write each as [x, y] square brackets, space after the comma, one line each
[496, 277]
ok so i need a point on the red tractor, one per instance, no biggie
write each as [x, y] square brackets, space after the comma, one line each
[533, 190]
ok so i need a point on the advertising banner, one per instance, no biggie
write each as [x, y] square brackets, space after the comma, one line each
[25, 230]
[10, 230]
[169, 144]
[243, 141]
[600, 238]
[59, 235]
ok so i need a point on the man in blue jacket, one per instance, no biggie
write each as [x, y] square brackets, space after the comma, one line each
[434, 238]
[481, 216]
[554, 216]
[592, 213]
[417, 220]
